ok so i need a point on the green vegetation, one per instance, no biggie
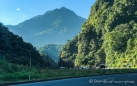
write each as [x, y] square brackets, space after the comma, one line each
[14, 72]
[52, 50]
[55, 26]
[69, 50]
[109, 36]
[51, 74]
[50, 53]
[11, 73]
[14, 50]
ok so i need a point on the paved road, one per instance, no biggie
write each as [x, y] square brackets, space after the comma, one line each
[129, 79]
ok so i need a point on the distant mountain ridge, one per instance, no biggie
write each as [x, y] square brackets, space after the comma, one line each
[52, 50]
[56, 26]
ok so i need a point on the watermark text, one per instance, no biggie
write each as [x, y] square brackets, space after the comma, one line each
[110, 81]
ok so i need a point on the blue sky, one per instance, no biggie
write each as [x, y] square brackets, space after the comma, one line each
[16, 11]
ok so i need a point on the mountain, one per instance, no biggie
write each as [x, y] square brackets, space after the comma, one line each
[109, 37]
[50, 61]
[52, 50]
[14, 50]
[56, 26]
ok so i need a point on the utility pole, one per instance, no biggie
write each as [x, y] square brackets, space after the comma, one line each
[30, 65]
[47, 60]
[29, 61]
[77, 71]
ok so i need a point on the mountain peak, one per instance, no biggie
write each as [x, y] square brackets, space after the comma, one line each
[63, 8]
[42, 27]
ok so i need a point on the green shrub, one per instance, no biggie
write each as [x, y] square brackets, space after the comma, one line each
[9, 77]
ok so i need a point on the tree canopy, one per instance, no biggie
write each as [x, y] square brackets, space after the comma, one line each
[109, 36]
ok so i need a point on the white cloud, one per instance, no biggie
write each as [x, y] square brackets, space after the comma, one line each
[18, 9]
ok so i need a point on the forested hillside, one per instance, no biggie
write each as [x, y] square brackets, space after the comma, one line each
[54, 26]
[109, 36]
[52, 50]
[14, 50]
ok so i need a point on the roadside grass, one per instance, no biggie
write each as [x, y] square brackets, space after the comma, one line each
[51, 74]
[11, 73]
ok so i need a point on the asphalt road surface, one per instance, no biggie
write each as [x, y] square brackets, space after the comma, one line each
[129, 79]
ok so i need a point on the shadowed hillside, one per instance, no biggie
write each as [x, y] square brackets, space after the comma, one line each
[51, 50]
[14, 50]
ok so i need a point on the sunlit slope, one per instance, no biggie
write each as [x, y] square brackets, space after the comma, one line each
[109, 36]
[55, 26]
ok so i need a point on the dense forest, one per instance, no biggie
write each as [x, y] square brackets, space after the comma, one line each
[14, 50]
[52, 50]
[109, 36]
